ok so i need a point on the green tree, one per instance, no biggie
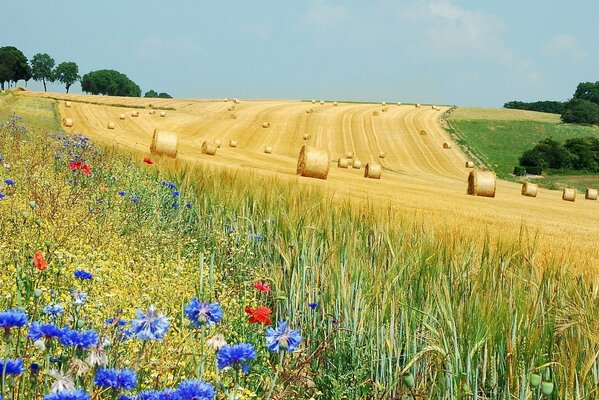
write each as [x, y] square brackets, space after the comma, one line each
[110, 83]
[164, 95]
[41, 68]
[68, 73]
[584, 155]
[581, 111]
[588, 91]
[14, 66]
[151, 94]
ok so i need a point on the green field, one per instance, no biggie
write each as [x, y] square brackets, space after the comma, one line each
[498, 137]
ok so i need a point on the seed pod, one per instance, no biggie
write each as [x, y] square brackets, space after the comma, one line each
[534, 380]
[408, 379]
[547, 388]
[37, 292]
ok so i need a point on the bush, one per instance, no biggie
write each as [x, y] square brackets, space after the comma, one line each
[109, 82]
[553, 107]
[519, 170]
[580, 111]
[534, 170]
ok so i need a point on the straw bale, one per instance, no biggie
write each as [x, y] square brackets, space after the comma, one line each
[135, 113]
[313, 163]
[111, 125]
[591, 194]
[152, 112]
[417, 105]
[375, 113]
[217, 143]
[233, 116]
[530, 189]
[164, 143]
[163, 113]
[385, 109]
[569, 194]
[322, 102]
[446, 145]
[423, 132]
[68, 122]
[382, 154]
[67, 104]
[232, 143]
[469, 164]
[268, 149]
[122, 116]
[383, 104]
[236, 101]
[335, 103]
[313, 101]
[307, 136]
[399, 103]
[343, 163]
[231, 108]
[349, 154]
[373, 170]
[266, 124]
[357, 164]
[482, 183]
[209, 148]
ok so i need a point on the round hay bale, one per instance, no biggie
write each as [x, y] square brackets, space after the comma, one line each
[399, 103]
[111, 125]
[569, 194]
[335, 103]
[135, 113]
[266, 124]
[268, 149]
[310, 111]
[67, 104]
[231, 108]
[163, 114]
[446, 145]
[68, 122]
[385, 109]
[434, 107]
[482, 183]
[382, 154]
[313, 101]
[423, 132]
[372, 170]
[357, 164]
[591, 194]
[469, 164]
[417, 105]
[209, 148]
[165, 143]
[217, 143]
[151, 105]
[375, 113]
[530, 189]
[226, 99]
[313, 163]
[383, 104]
[233, 116]
[322, 102]
[343, 163]
[236, 100]
[232, 143]
[152, 112]
[349, 154]
[122, 116]
[307, 136]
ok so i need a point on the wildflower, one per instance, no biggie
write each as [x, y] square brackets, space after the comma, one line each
[80, 339]
[78, 367]
[188, 205]
[175, 193]
[203, 314]
[195, 390]
[262, 286]
[54, 310]
[9, 182]
[216, 342]
[79, 297]
[172, 185]
[46, 331]
[236, 355]
[148, 395]
[122, 193]
[175, 204]
[83, 275]
[168, 394]
[100, 200]
[282, 338]
[1, 159]
[75, 166]
[116, 379]
[254, 236]
[39, 261]
[148, 160]
[40, 345]
[85, 170]
[104, 187]
[150, 326]
[12, 319]
[313, 305]
[2, 195]
[11, 367]
[260, 314]
[135, 200]
[70, 394]
[34, 368]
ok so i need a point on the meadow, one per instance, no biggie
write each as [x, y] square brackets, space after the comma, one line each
[388, 303]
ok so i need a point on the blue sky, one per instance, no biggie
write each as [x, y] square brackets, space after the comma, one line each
[463, 52]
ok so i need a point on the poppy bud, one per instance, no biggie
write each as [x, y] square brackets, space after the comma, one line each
[40, 345]
[534, 380]
[37, 292]
[547, 388]
[408, 379]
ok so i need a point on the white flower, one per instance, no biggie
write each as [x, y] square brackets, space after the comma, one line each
[78, 367]
[40, 345]
[62, 382]
[216, 342]
[97, 357]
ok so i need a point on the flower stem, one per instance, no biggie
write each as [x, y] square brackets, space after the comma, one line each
[274, 379]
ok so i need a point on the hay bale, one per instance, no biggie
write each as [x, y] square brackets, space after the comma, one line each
[152, 112]
[268, 149]
[434, 107]
[417, 105]
[482, 183]
[530, 189]
[122, 116]
[68, 122]
[217, 143]
[165, 143]
[313, 101]
[163, 114]
[236, 100]
[335, 103]
[375, 113]
[67, 104]
[322, 102]
[383, 104]
[591, 194]
[357, 164]
[469, 164]
[111, 125]
[373, 170]
[307, 136]
[349, 154]
[423, 132]
[399, 103]
[209, 148]
[385, 109]
[266, 124]
[226, 99]
[151, 105]
[231, 108]
[382, 154]
[343, 163]
[233, 116]
[313, 163]
[310, 111]
[232, 143]
[569, 194]
[135, 113]
[446, 145]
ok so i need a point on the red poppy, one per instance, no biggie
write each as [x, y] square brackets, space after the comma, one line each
[39, 261]
[148, 160]
[262, 286]
[104, 187]
[85, 170]
[74, 166]
[260, 314]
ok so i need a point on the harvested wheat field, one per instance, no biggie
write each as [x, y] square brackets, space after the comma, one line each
[419, 177]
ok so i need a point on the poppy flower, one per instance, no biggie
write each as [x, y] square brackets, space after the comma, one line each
[39, 261]
[260, 314]
[74, 166]
[148, 160]
[262, 286]
[104, 187]
[85, 170]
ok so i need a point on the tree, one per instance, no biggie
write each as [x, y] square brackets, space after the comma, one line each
[581, 111]
[588, 91]
[41, 68]
[14, 65]
[163, 95]
[584, 155]
[151, 94]
[109, 82]
[68, 73]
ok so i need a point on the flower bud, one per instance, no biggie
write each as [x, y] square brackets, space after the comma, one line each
[37, 292]
[40, 345]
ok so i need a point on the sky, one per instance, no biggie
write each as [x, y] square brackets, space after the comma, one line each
[463, 52]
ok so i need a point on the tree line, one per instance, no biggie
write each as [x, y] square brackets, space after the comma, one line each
[14, 66]
[582, 108]
[580, 154]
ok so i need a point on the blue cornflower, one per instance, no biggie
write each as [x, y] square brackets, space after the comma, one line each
[55, 360]
[79, 297]
[81, 339]
[188, 205]
[175, 193]
[47, 331]
[100, 200]
[125, 397]
[172, 185]
[13, 367]
[195, 390]
[68, 395]
[54, 310]
[235, 355]
[175, 204]
[203, 314]
[12, 319]
[168, 394]
[2, 195]
[149, 326]
[135, 200]
[1, 159]
[254, 236]
[116, 379]
[164, 183]
[83, 275]
[313, 305]
[34, 368]
[282, 338]
[148, 395]
[9, 182]
[119, 322]
[122, 193]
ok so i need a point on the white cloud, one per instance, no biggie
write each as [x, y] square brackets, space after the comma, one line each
[323, 15]
[565, 45]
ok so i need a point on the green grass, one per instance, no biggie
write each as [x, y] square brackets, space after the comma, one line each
[39, 113]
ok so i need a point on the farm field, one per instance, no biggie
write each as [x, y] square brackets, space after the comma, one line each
[419, 176]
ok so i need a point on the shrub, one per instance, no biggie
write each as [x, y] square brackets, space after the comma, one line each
[519, 170]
